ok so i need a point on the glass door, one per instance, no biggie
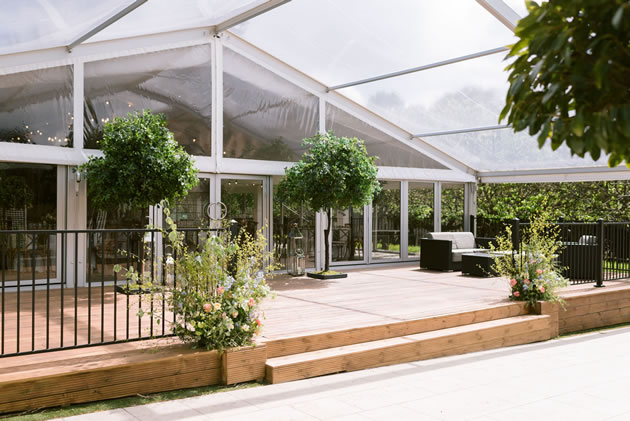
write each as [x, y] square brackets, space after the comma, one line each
[386, 223]
[348, 236]
[246, 202]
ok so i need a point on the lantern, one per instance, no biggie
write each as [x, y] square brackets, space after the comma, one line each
[296, 264]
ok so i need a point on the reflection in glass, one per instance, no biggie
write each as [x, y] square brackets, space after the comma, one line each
[28, 201]
[244, 201]
[347, 235]
[390, 151]
[192, 211]
[264, 116]
[386, 222]
[452, 207]
[175, 82]
[419, 214]
[106, 249]
[284, 215]
[36, 107]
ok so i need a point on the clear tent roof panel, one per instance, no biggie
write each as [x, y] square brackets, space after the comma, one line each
[168, 15]
[504, 150]
[37, 24]
[337, 42]
[461, 95]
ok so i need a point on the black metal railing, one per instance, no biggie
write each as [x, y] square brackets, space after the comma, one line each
[591, 251]
[59, 288]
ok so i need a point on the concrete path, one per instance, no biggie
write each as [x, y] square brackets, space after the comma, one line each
[584, 377]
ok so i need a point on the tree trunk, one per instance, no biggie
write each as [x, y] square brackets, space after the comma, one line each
[327, 240]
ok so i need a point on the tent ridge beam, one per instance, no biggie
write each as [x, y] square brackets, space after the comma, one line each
[458, 131]
[502, 12]
[107, 22]
[420, 68]
[248, 14]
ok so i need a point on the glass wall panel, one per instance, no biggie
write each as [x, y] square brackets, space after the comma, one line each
[36, 107]
[264, 116]
[458, 96]
[342, 41]
[496, 150]
[284, 216]
[175, 82]
[420, 215]
[452, 207]
[192, 211]
[386, 222]
[348, 236]
[106, 249]
[390, 151]
[28, 201]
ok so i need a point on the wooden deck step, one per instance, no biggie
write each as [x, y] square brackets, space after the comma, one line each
[282, 346]
[437, 343]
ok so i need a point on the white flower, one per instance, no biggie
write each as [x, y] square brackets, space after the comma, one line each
[245, 328]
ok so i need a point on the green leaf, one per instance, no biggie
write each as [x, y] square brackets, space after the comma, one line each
[577, 124]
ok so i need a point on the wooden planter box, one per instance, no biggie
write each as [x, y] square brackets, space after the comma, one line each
[118, 371]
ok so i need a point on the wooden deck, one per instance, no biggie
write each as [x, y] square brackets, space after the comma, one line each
[373, 296]
[375, 317]
[302, 306]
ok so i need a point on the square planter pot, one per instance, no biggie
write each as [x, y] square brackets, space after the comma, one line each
[320, 276]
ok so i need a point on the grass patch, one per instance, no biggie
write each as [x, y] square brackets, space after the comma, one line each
[87, 408]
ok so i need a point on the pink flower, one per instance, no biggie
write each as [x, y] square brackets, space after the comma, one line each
[512, 282]
[542, 289]
[220, 290]
[251, 302]
[539, 271]
[526, 281]
[258, 322]
[517, 294]
[207, 307]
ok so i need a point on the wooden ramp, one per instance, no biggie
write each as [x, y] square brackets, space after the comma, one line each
[373, 346]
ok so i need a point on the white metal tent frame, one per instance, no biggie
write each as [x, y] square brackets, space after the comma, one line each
[76, 53]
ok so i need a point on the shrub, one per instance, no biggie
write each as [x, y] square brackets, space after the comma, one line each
[142, 164]
[533, 274]
[217, 289]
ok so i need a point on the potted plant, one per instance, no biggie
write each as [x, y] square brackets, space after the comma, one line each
[335, 172]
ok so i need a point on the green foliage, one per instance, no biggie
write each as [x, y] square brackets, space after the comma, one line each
[533, 273]
[15, 192]
[569, 79]
[143, 164]
[585, 201]
[336, 172]
[215, 289]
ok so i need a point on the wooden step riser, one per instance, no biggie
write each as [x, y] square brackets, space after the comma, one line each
[301, 344]
[460, 343]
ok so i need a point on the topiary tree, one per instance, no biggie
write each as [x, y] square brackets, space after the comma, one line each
[336, 172]
[143, 164]
[569, 79]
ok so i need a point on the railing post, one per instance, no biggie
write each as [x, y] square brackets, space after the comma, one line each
[516, 234]
[600, 253]
[473, 225]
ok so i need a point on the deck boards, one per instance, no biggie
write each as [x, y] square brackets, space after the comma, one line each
[303, 306]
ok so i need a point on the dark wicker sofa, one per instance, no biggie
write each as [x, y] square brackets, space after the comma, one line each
[443, 250]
